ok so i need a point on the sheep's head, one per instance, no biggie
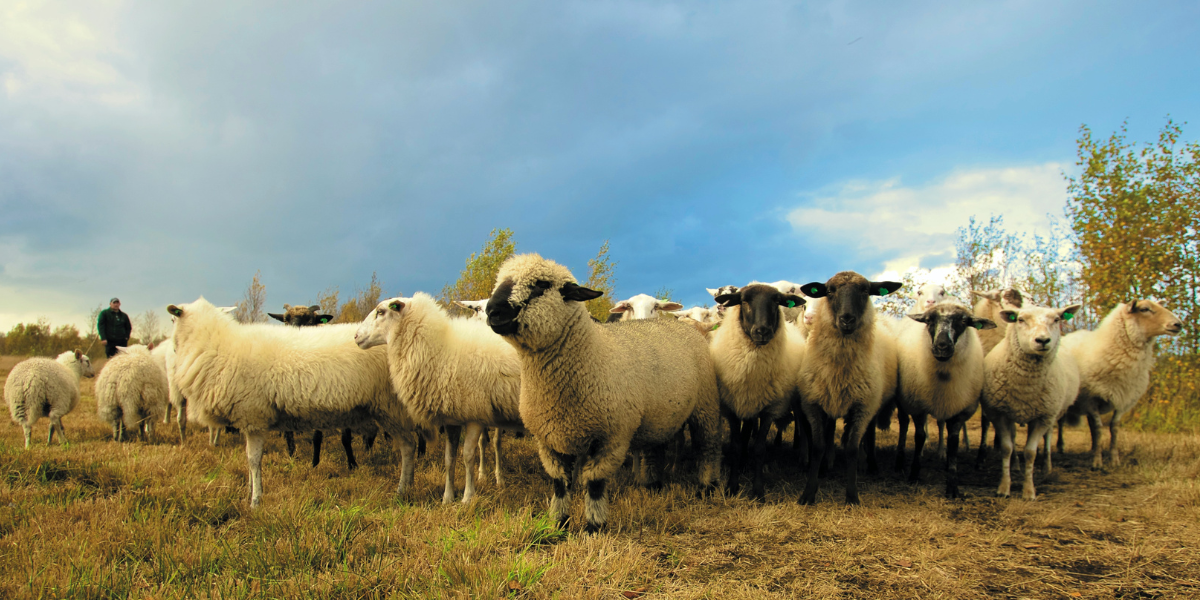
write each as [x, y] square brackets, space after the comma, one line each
[991, 302]
[70, 358]
[1038, 329]
[643, 306]
[948, 324]
[810, 310]
[1152, 318]
[192, 317]
[848, 295]
[930, 294]
[534, 299]
[758, 311]
[380, 322]
[698, 314]
[476, 307]
[301, 316]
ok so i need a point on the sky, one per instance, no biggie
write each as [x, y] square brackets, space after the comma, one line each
[160, 151]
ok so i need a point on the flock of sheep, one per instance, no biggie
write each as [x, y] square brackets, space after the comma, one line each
[591, 394]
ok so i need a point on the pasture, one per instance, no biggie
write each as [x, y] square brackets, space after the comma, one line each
[97, 519]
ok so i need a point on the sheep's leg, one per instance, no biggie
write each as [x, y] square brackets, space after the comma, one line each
[816, 420]
[132, 426]
[941, 447]
[559, 467]
[408, 451]
[254, 454]
[318, 440]
[28, 434]
[148, 430]
[118, 430]
[369, 441]
[830, 450]
[919, 437]
[290, 438]
[800, 435]
[348, 446]
[1046, 437]
[420, 445]
[50, 436]
[1007, 433]
[706, 444]
[656, 464]
[902, 439]
[1061, 425]
[953, 426]
[181, 418]
[869, 446]
[1093, 420]
[496, 445]
[857, 426]
[453, 433]
[481, 471]
[601, 461]
[1036, 431]
[167, 415]
[760, 457]
[981, 455]
[966, 439]
[470, 447]
[56, 423]
[214, 435]
[733, 457]
[1114, 426]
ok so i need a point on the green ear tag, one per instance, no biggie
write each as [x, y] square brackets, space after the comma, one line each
[791, 304]
[979, 326]
[716, 326]
[1012, 317]
[1068, 316]
[883, 291]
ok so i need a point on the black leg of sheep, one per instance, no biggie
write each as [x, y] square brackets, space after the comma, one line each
[919, 437]
[760, 456]
[902, 440]
[290, 439]
[317, 440]
[348, 446]
[817, 419]
[953, 427]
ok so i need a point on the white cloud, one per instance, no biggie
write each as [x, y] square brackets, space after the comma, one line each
[907, 227]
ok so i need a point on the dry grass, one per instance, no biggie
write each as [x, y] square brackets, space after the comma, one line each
[100, 519]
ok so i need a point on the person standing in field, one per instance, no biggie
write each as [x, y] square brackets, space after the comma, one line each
[114, 327]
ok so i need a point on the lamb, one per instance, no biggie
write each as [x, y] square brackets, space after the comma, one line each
[1114, 367]
[449, 373]
[132, 393]
[262, 378]
[941, 375]
[42, 387]
[643, 306]
[1027, 380]
[591, 392]
[848, 372]
[988, 306]
[756, 355]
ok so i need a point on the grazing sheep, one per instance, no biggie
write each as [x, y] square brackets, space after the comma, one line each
[42, 387]
[988, 306]
[1114, 367]
[757, 356]
[941, 375]
[591, 392]
[643, 306]
[262, 378]
[450, 373]
[848, 372]
[132, 393]
[1027, 380]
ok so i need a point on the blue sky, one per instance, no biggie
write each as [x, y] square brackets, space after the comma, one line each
[160, 151]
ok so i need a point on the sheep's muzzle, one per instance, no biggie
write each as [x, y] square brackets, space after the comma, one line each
[501, 314]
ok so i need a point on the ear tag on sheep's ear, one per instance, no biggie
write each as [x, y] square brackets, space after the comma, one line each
[791, 304]
[716, 326]
[979, 326]
[324, 320]
[395, 306]
[1012, 317]
[814, 290]
[1068, 316]
[883, 291]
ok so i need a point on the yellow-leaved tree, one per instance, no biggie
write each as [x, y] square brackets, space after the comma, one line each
[476, 281]
[602, 277]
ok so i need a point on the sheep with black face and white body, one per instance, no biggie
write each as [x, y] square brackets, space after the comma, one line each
[848, 371]
[1029, 380]
[757, 355]
[42, 387]
[591, 392]
[941, 375]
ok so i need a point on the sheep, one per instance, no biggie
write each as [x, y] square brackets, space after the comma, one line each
[164, 353]
[262, 378]
[476, 307]
[848, 372]
[302, 316]
[591, 392]
[643, 306]
[132, 393]
[810, 315]
[756, 356]
[42, 387]
[941, 375]
[927, 296]
[1028, 380]
[449, 373]
[988, 306]
[698, 314]
[1114, 367]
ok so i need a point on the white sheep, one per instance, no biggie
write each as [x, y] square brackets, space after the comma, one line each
[757, 355]
[132, 393]
[988, 306]
[1115, 362]
[476, 307]
[941, 375]
[1028, 380]
[848, 372]
[591, 392]
[643, 306]
[262, 378]
[698, 314]
[450, 373]
[164, 352]
[42, 387]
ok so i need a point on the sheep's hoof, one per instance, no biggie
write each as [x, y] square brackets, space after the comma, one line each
[1000, 494]
[593, 528]
[808, 499]
[760, 497]
[655, 486]
[852, 499]
[952, 492]
[732, 489]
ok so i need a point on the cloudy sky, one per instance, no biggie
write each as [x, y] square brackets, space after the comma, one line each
[163, 150]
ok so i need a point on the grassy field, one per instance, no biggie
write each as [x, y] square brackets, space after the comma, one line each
[97, 519]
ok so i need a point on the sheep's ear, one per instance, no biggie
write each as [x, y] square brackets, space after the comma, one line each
[396, 305]
[883, 288]
[1067, 313]
[994, 295]
[728, 300]
[620, 307]
[815, 289]
[1013, 297]
[314, 308]
[712, 292]
[573, 292]
[669, 306]
[175, 311]
[78, 354]
[792, 301]
[1133, 306]
[462, 305]
[227, 309]
[323, 319]
[277, 317]
[920, 317]
[286, 307]
[982, 324]
[1009, 316]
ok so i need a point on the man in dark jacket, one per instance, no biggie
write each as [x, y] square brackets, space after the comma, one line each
[114, 328]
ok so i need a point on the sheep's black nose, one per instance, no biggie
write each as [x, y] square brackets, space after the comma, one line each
[1045, 341]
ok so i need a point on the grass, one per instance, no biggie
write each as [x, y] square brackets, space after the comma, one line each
[97, 519]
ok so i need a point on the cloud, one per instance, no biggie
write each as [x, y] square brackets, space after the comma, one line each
[909, 226]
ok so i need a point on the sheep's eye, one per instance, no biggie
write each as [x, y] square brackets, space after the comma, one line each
[545, 285]
[380, 312]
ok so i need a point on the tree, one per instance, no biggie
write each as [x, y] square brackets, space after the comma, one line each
[477, 280]
[602, 278]
[250, 309]
[364, 301]
[984, 256]
[148, 327]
